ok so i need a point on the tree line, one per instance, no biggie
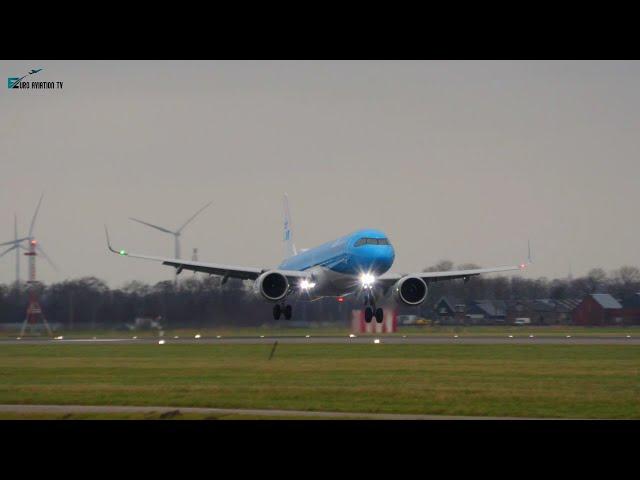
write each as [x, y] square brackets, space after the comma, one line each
[202, 301]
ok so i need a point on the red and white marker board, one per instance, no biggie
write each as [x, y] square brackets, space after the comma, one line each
[389, 322]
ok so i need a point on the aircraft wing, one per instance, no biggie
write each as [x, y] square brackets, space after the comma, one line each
[450, 274]
[227, 271]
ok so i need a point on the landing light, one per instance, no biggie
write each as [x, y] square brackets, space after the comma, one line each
[306, 284]
[367, 280]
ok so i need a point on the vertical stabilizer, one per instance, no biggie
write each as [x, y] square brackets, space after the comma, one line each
[289, 247]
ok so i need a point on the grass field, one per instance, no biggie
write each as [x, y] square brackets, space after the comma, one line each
[573, 381]
[283, 330]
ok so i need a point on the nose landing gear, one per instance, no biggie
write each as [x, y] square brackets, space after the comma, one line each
[372, 311]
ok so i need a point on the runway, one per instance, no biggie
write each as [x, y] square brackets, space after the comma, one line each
[336, 340]
[173, 412]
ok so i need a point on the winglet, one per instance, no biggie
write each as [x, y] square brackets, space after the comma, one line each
[529, 259]
[119, 252]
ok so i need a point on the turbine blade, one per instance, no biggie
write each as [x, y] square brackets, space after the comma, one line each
[46, 257]
[33, 220]
[153, 226]
[194, 216]
[17, 240]
[8, 250]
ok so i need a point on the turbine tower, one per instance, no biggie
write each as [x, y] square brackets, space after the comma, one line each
[176, 233]
[17, 244]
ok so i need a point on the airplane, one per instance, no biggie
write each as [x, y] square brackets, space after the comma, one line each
[31, 72]
[356, 264]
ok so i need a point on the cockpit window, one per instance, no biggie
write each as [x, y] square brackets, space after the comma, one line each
[371, 241]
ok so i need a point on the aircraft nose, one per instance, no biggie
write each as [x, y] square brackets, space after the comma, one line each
[375, 259]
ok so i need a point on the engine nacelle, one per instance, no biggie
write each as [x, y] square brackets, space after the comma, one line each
[410, 290]
[271, 285]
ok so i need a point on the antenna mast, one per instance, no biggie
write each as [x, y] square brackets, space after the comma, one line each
[34, 311]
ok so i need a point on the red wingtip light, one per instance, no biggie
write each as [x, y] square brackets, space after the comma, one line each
[523, 266]
[33, 242]
[340, 299]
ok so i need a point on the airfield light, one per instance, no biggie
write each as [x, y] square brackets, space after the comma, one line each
[377, 340]
[197, 336]
[161, 342]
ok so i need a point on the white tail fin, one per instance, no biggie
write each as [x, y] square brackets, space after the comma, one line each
[289, 247]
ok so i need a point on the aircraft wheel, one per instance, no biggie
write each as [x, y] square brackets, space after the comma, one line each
[368, 314]
[379, 315]
[287, 312]
[277, 311]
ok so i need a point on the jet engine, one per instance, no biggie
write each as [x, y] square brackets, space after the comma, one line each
[410, 290]
[271, 285]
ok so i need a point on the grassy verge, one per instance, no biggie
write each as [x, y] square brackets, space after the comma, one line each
[573, 381]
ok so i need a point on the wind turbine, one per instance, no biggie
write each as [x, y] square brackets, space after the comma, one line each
[176, 233]
[17, 243]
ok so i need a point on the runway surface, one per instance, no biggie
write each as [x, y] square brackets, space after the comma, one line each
[336, 340]
[112, 409]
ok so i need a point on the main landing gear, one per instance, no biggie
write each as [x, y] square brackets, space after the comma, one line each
[372, 311]
[281, 310]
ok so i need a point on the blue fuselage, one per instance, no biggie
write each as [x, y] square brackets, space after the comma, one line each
[364, 251]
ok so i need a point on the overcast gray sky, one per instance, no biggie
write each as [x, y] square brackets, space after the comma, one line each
[453, 160]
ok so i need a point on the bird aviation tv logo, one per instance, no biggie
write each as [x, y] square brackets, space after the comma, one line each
[21, 83]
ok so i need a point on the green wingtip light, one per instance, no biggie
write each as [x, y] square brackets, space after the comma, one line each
[122, 252]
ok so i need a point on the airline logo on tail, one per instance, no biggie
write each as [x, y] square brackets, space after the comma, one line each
[289, 247]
